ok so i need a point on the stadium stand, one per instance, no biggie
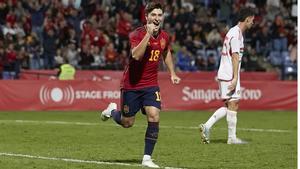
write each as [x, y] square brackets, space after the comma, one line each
[92, 34]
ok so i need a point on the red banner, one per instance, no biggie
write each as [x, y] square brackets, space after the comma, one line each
[105, 75]
[256, 95]
[95, 95]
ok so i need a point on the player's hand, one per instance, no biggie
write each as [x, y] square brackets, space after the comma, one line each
[175, 79]
[152, 27]
[232, 86]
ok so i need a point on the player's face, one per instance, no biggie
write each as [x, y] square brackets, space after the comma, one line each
[249, 21]
[155, 17]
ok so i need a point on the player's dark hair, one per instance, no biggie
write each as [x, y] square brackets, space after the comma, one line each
[244, 13]
[153, 5]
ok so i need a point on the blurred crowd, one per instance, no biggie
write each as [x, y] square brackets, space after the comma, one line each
[93, 34]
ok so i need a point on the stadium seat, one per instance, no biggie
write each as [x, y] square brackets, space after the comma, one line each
[214, 54]
[279, 44]
[201, 53]
[6, 75]
[285, 55]
[289, 70]
[275, 58]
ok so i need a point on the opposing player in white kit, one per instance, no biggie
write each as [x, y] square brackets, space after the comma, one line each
[229, 78]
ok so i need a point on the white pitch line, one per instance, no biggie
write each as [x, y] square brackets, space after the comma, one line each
[161, 126]
[53, 122]
[266, 130]
[76, 160]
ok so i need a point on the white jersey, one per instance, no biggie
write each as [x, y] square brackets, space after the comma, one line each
[233, 43]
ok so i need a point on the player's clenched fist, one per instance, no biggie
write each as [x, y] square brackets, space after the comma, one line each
[152, 27]
[175, 79]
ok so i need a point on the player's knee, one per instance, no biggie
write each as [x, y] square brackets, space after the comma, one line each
[153, 118]
[127, 124]
[233, 106]
[152, 113]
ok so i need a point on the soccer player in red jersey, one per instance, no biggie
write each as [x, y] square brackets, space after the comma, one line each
[139, 90]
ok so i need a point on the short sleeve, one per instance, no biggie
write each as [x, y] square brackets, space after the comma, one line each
[134, 38]
[168, 43]
[235, 44]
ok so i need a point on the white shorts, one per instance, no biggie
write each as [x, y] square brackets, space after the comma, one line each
[229, 95]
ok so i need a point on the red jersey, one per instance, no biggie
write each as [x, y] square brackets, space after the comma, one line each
[143, 73]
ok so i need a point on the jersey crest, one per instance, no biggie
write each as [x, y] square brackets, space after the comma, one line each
[163, 43]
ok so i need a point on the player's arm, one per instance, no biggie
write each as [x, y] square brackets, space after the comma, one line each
[235, 69]
[170, 65]
[139, 50]
[235, 48]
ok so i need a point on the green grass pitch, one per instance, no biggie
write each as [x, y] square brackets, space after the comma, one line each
[79, 140]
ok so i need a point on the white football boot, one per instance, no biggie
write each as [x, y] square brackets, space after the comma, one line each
[204, 132]
[106, 114]
[147, 162]
[236, 141]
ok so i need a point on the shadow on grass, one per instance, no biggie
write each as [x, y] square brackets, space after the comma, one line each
[136, 161]
[218, 141]
[224, 141]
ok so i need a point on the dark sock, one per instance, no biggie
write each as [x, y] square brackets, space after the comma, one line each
[116, 115]
[151, 137]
